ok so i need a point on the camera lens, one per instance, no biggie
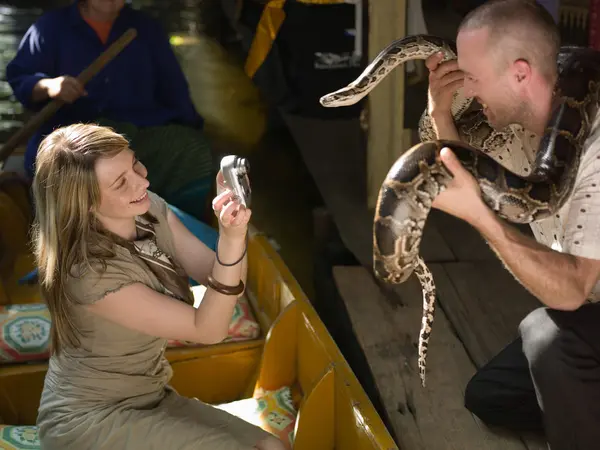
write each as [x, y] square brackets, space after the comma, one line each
[243, 165]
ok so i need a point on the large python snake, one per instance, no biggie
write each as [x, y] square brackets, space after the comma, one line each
[418, 176]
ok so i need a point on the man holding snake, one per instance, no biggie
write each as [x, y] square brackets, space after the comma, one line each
[549, 378]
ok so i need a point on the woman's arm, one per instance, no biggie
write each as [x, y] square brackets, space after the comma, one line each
[193, 254]
[138, 307]
[196, 258]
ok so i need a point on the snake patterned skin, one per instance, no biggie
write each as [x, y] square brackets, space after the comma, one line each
[418, 175]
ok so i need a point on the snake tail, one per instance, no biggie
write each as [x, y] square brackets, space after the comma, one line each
[429, 294]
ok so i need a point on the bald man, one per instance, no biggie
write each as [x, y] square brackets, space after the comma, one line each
[549, 378]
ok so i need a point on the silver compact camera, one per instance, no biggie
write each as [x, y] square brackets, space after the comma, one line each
[235, 171]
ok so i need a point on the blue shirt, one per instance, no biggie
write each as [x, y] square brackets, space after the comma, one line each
[143, 84]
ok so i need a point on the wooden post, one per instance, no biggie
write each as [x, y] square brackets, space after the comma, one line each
[387, 138]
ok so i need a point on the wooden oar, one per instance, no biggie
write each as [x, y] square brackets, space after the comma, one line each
[86, 75]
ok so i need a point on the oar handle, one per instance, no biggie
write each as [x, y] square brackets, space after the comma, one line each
[48, 111]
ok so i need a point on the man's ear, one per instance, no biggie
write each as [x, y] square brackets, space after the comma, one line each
[521, 71]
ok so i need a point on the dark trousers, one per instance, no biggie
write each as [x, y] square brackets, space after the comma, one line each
[547, 380]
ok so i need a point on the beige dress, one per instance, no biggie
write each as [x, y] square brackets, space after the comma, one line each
[113, 391]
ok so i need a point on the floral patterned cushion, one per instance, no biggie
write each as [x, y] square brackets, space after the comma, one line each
[25, 331]
[19, 438]
[273, 411]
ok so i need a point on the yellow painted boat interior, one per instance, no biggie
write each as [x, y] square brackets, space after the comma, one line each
[293, 350]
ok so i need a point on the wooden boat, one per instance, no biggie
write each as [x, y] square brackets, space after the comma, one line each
[278, 351]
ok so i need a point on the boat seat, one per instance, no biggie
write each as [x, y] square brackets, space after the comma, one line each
[274, 411]
[25, 330]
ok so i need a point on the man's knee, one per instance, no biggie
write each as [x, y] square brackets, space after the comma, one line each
[474, 394]
[540, 336]
[482, 397]
[501, 392]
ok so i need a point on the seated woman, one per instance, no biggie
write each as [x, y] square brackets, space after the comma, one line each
[113, 263]
[142, 93]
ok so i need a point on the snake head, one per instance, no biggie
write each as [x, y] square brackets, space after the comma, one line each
[347, 96]
[328, 100]
[336, 99]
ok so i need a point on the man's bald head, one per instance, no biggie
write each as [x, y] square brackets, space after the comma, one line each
[518, 30]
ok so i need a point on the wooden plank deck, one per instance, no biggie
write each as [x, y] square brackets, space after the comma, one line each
[386, 325]
[487, 308]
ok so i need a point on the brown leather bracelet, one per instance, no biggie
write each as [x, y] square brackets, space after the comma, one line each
[223, 288]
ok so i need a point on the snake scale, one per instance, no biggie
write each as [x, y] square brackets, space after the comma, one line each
[418, 175]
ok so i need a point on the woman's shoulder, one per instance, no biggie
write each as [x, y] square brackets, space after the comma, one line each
[89, 281]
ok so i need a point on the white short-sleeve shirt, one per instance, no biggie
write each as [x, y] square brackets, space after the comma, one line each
[576, 227]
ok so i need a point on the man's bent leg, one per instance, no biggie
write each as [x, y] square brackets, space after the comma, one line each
[563, 350]
[501, 393]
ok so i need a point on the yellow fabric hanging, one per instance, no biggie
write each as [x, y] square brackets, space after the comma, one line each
[271, 19]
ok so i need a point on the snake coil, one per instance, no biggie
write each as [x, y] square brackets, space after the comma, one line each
[418, 175]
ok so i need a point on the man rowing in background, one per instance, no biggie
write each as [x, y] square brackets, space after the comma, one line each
[142, 93]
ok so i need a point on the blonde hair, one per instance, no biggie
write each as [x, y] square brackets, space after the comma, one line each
[66, 233]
